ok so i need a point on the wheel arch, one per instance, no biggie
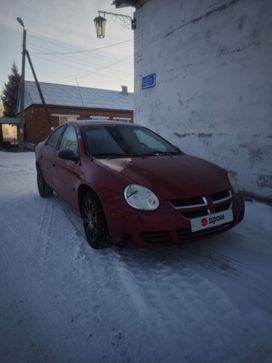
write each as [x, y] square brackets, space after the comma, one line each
[84, 188]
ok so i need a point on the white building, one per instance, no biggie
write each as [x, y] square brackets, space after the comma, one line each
[210, 65]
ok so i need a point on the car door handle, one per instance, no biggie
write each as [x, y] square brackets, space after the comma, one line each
[54, 164]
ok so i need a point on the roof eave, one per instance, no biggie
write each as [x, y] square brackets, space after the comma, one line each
[78, 107]
[124, 3]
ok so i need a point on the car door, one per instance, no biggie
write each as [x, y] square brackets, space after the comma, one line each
[67, 173]
[48, 155]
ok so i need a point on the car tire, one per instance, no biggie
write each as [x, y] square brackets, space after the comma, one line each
[45, 190]
[94, 221]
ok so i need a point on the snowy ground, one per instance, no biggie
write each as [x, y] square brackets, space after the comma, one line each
[61, 301]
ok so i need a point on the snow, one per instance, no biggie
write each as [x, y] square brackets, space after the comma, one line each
[64, 95]
[61, 301]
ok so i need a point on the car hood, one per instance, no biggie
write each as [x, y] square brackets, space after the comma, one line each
[172, 176]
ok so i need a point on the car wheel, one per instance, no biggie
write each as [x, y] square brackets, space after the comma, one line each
[44, 189]
[94, 221]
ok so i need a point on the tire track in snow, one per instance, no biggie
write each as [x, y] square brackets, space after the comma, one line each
[32, 291]
[43, 236]
[178, 291]
[142, 294]
[106, 284]
[238, 269]
[35, 273]
[102, 284]
[116, 305]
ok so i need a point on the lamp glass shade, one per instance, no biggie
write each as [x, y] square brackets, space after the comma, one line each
[100, 26]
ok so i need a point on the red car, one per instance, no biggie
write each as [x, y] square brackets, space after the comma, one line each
[131, 185]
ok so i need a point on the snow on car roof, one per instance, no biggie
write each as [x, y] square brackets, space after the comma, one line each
[74, 96]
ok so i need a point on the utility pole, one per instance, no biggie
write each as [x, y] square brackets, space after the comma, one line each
[22, 90]
[39, 88]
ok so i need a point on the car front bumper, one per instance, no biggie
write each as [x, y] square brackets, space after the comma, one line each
[164, 226]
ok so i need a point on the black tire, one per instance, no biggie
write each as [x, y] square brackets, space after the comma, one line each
[94, 221]
[45, 190]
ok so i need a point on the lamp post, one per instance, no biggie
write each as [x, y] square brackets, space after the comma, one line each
[22, 90]
[100, 22]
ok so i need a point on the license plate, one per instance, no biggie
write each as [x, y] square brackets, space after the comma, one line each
[211, 220]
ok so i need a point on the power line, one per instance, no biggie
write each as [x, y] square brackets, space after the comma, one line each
[70, 59]
[83, 50]
[67, 56]
[54, 41]
[86, 73]
[38, 50]
[75, 64]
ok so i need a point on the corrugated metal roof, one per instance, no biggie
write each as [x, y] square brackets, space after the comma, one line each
[9, 121]
[73, 96]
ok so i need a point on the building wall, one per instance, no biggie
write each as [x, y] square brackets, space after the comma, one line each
[37, 128]
[213, 97]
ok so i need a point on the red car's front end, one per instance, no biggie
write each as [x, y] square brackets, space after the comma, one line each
[172, 225]
[196, 199]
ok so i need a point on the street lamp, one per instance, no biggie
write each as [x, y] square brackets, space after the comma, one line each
[20, 21]
[22, 89]
[100, 26]
[100, 22]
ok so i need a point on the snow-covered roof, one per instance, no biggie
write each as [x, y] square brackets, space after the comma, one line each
[73, 96]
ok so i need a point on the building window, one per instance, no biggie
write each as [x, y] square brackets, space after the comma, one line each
[65, 118]
[102, 118]
[10, 133]
[122, 119]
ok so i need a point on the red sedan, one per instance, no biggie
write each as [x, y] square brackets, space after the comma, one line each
[131, 185]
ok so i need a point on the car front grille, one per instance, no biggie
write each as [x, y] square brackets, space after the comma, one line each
[222, 207]
[203, 205]
[221, 196]
[192, 208]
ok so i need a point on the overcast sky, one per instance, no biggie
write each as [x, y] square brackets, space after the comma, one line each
[59, 26]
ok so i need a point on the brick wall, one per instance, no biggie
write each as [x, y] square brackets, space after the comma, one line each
[37, 128]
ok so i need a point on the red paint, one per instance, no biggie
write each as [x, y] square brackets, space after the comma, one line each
[204, 222]
[169, 177]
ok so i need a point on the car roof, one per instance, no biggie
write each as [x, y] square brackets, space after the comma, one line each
[101, 123]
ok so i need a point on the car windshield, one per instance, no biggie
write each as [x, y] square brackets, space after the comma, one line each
[125, 141]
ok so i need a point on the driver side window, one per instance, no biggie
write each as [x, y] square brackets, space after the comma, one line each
[69, 140]
[53, 139]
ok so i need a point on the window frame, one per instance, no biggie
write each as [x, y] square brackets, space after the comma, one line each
[75, 130]
[59, 138]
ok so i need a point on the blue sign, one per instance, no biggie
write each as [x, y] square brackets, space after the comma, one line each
[149, 81]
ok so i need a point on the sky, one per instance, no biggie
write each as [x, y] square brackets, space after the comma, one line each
[67, 26]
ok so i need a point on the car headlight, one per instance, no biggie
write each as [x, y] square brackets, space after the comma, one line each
[140, 197]
[233, 182]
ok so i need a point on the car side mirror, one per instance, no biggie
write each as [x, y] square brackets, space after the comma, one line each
[68, 154]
